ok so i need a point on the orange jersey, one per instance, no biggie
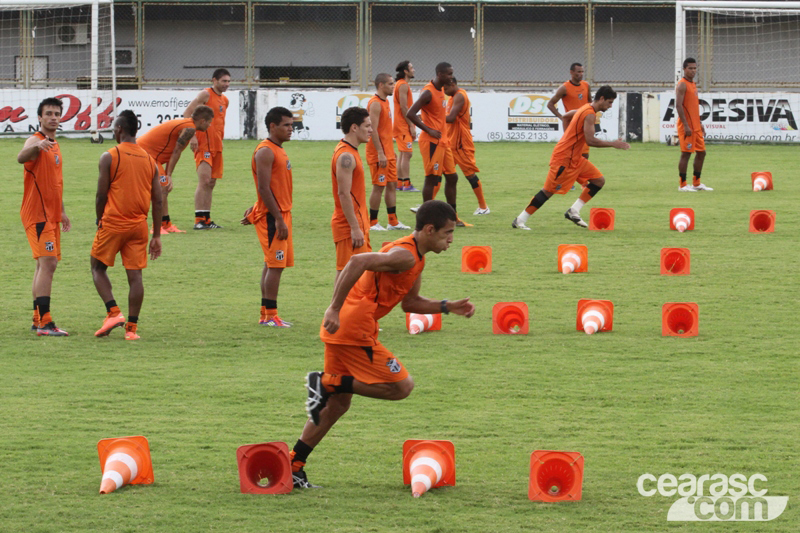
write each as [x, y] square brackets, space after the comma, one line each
[280, 182]
[160, 141]
[211, 139]
[458, 133]
[577, 95]
[132, 171]
[400, 123]
[43, 188]
[691, 107]
[358, 195]
[568, 152]
[372, 297]
[384, 132]
[434, 114]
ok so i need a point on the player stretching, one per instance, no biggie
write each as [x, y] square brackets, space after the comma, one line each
[573, 93]
[691, 132]
[404, 131]
[128, 183]
[459, 137]
[207, 146]
[567, 164]
[165, 143]
[370, 286]
[380, 156]
[350, 222]
[43, 210]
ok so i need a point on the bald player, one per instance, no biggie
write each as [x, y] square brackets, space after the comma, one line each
[691, 131]
[573, 93]
[128, 183]
[404, 131]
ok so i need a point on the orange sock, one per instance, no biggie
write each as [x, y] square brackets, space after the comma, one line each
[296, 465]
[530, 209]
[436, 189]
[479, 195]
[696, 179]
[199, 220]
[36, 318]
[270, 313]
[45, 319]
[165, 223]
[393, 219]
[131, 326]
[114, 311]
[585, 196]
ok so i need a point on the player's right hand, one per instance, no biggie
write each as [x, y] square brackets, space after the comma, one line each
[462, 307]
[193, 144]
[169, 184]
[331, 320]
[357, 236]
[436, 134]
[621, 145]
[382, 160]
[282, 229]
[687, 131]
[246, 221]
[413, 133]
[155, 247]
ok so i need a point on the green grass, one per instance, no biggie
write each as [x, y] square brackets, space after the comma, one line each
[205, 378]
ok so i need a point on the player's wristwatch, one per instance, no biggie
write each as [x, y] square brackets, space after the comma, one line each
[443, 307]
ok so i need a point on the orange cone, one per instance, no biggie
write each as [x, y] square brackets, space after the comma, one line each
[595, 315]
[555, 476]
[762, 221]
[476, 259]
[601, 219]
[123, 461]
[573, 258]
[264, 468]
[510, 318]
[417, 323]
[675, 262]
[762, 181]
[428, 464]
[680, 319]
[681, 219]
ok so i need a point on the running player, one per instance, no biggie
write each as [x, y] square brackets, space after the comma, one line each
[128, 184]
[43, 210]
[165, 143]
[380, 156]
[350, 222]
[370, 286]
[567, 164]
[691, 132]
[459, 138]
[404, 131]
[207, 146]
[573, 93]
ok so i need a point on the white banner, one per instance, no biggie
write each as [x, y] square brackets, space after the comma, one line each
[746, 117]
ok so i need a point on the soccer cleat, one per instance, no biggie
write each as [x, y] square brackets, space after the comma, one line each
[461, 224]
[519, 225]
[51, 330]
[399, 225]
[300, 481]
[701, 187]
[164, 231]
[410, 188]
[687, 188]
[172, 228]
[575, 218]
[377, 227]
[34, 327]
[317, 396]
[131, 335]
[209, 225]
[110, 323]
[275, 322]
[481, 211]
[413, 209]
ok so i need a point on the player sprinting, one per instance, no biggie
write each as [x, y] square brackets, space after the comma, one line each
[459, 138]
[356, 362]
[380, 156]
[42, 212]
[165, 143]
[128, 183]
[350, 221]
[207, 146]
[691, 132]
[567, 164]
[403, 130]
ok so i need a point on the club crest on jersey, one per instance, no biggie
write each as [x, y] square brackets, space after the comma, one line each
[221, 109]
[58, 159]
[288, 165]
[279, 255]
[394, 366]
[580, 96]
[49, 246]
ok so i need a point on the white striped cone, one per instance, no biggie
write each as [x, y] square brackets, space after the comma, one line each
[425, 473]
[570, 262]
[681, 221]
[760, 183]
[419, 323]
[119, 470]
[593, 321]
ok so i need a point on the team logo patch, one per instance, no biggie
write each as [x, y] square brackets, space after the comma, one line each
[221, 109]
[49, 246]
[288, 165]
[558, 187]
[162, 179]
[58, 159]
[206, 155]
[408, 145]
[279, 255]
[580, 96]
[394, 366]
[689, 146]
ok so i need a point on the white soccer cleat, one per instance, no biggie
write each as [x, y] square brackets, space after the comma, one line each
[377, 227]
[480, 211]
[516, 224]
[701, 187]
[399, 225]
[687, 188]
[413, 209]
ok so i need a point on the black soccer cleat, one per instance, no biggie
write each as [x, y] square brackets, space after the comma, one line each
[575, 218]
[51, 330]
[317, 396]
[209, 225]
[300, 481]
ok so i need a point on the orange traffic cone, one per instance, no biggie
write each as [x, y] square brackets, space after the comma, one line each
[679, 319]
[476, 259]
[510, 317]
[573, 258]
[595, 315]
[555, 476]
[762, 221]
[124, 460]
[675, 262]
[417, 323]
[428, 464]
[601, 219]
[681, 219]
[264, 468]
[762, 181]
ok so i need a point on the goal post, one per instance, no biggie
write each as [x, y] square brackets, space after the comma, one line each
[58, 48]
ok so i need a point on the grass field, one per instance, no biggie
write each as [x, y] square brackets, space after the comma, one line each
[205, 378]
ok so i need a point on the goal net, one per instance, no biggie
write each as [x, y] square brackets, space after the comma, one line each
[60, 48]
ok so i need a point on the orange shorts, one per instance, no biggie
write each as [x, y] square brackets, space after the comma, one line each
[560, 178]
[162, 179]
[214, 159]
[382, 176]
[131, 244]
[695, 143]
[466, 160]
[345, 250]
[404, 143]
[45, 242]
[433, 156]
[277, 253]
[368, 364]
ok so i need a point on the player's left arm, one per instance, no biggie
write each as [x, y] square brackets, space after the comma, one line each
[375, 139]
[458, 105]
[414, 303]
[561, 92]
[103, 185]
[201, 99]
[183, 140]
[591, 140]
[157, 207]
